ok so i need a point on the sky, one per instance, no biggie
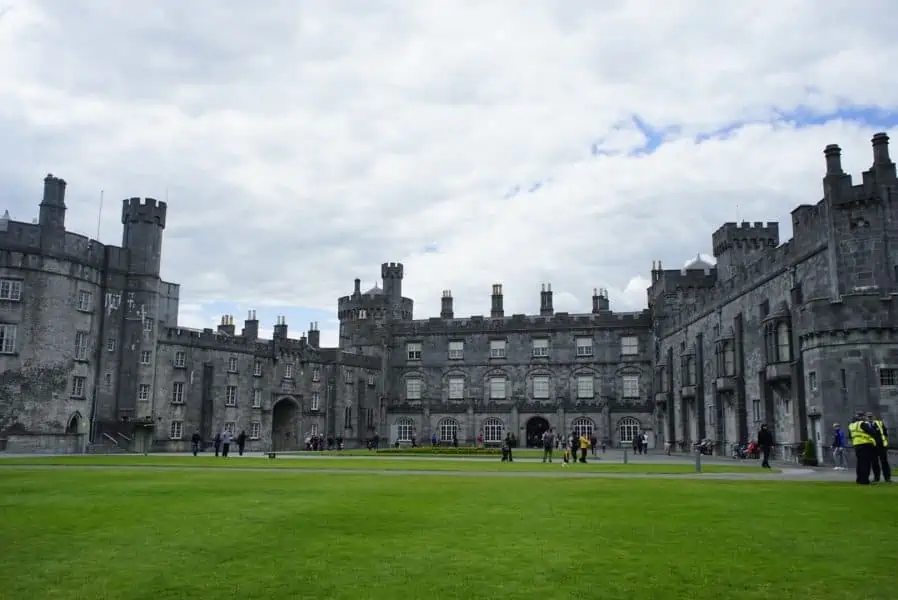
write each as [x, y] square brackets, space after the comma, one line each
[518, 142]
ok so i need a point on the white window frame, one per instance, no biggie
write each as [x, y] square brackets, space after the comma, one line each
[316, 374]
[143, 391]
[755, 409]
[11, 290]
[628, 428]
[255, 430]
[257, 368]
[456, 387]
[493, 430]
[584, 347]
[582, 425]
[147, 324]
[146, 357]
[414, 388]
[812, 380]
[541, 386]
[231, 427]
[371, 380]
[288, 370]
[405, 429]
[363, 314]
[85, 301]
[177, 392]
[630, 387]
[498, 388]
[8, 333]
[232, 364]
[180, 359]
[79, 386]
[113, 300]
[448, 429]
[348, 377]
[107, 379]
[783, 342]
[110, 344]
[314, 430]
[888, 377]
[586, 388]
[414, 350]
[316, 401]
[176, 430]
[257, 398]
[231, 395]
[629, 345]
[81, 345]
[540, 347]
[456, 350]
[498, 348]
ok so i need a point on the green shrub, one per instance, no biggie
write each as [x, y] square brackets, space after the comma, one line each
[442, 451]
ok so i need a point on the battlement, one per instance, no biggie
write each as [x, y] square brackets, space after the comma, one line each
[217, 340]
[478, 324]
[391, 270]
[755, 235]
[147, 210]
[871, 312]
[376, 306]
[54, 191]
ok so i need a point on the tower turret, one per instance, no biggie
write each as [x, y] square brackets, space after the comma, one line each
[52, 207]
[391, 273]
[144, 222]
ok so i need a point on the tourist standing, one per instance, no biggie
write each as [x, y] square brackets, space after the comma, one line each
[217, 443]
[509, 442]
[241, 442]
[765, 441]
[195, 441]
[838, 448]
[584, 447]
[879, 448]
[864, 442]
[882, 450]
[226, 439]
[548, 444]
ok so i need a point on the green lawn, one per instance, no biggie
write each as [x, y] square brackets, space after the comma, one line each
[376, 464]
[135, 534]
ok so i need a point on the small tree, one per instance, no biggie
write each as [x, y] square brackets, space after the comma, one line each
[809, 456]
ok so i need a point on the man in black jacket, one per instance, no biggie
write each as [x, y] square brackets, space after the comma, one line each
[863, 438]
[765, 442]
[880, 459]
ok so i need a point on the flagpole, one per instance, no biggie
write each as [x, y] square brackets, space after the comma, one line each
[100, 215]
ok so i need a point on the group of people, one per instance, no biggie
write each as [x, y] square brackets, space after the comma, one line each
[572, 446]
[870, 438]
[221, 443]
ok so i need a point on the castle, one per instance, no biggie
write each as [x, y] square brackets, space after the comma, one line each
[797, 336]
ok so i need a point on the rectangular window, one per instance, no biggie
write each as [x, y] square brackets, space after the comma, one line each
[255, 431]
[497, 388]
[257, 368]
[143, 391]
[78, 385]
[711, 416]
[257, 398]
[348, 376]
[756, 410]
[413, 350]
[288, 371]
[148, 324]
[176, 431]
[180, 360]
[887, 378]
[85, 301]
[630, 386]
[7, 338]
[812, 380]
[107, 379]
[316, 401]
[232, 364]
[541, 347]
[146, 357]
[584, 346]
[347, 417]
[456, 350]
[629, 345]
[316, 374]
[363, 314]
[110, 345]
[10, 290]
[231, 395]
[585, 388]
[371, 380]
[230, 428]
[497, 348]
[456, 388]
[315, 429]
[541, 387]
[113, 300]
[177, 393]
[413, 389]
[81, 345]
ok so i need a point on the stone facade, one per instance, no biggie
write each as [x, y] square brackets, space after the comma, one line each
[797, 335]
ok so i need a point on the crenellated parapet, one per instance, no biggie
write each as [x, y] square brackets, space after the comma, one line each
[146, 210]
[866, 312]
[745, 235]
[523, 323]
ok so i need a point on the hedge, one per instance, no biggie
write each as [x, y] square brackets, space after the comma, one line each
[442, 450]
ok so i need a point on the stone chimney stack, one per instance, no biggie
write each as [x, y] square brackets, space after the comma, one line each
[251, 326]
[280, 329]
[227, 325]
[546, 309]
[446, 309]
[314, 335]
[497, 311]
[600, 301]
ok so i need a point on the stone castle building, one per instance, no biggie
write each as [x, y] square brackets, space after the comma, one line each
[795, 335]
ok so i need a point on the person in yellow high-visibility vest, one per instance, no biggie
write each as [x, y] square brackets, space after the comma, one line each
[864, 442]
[880, 462]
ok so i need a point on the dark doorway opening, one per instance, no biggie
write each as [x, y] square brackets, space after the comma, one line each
[73, 425]
[536, 427]
[285, 425]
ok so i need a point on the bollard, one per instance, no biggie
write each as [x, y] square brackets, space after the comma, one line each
[698, 461]
[625, 455]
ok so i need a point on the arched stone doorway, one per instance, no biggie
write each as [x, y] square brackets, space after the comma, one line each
[536, 427]
[285, 425]
[74, 425]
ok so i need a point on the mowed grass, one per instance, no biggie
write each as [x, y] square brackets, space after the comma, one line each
[138, 534]
[374, 464]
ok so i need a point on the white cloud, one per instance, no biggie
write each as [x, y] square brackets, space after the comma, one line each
[308, 142]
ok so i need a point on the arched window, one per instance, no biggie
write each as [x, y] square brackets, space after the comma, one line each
[405, 429]
[583, 426]
[448, 430]
[493, 430]
[629, 428]
[783, 342]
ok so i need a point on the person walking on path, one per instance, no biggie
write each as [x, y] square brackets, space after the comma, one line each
[838, 448]
[765, 441]
[217, 443]
[548, 445]
[241, 442]
[864, 442]
[195, 441]
[226, 439]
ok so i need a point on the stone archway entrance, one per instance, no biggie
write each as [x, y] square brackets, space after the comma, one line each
[536, 427]
[74, 425]
[285, 425]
